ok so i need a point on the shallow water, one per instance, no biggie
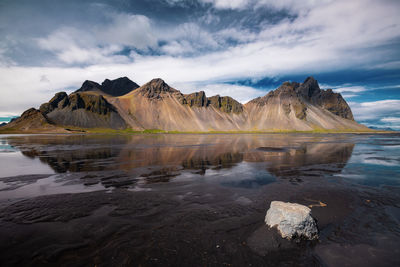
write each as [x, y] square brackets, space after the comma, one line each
[194, 200]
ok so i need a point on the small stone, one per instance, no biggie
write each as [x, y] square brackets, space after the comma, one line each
[292, 220]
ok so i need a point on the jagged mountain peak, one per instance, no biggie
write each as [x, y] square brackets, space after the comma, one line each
[155, 88]
[119, 86]
[158, 85]
[309, 87]
[299, 95]
[156, 105]
[116, 87]
[89, 86]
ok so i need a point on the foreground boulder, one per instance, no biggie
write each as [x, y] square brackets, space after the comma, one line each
[293, 220]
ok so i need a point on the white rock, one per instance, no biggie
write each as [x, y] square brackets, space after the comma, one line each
[292, 220]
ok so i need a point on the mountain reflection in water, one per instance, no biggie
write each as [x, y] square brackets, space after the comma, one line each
[160, 158]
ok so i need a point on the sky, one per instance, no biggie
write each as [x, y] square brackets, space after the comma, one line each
[240, 48]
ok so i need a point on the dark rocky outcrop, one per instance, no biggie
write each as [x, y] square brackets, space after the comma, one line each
[197, 99]
[60, 100]
[117, 87]
[333, 102]
[326, 99]
[90, 86]
[225, 104]
[84, 110]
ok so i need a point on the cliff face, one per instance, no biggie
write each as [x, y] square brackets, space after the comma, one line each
[299, 95]
[156, 105]
[327, 99]
[301, 106]
[225, 104]
[86, 110]
[82, 110]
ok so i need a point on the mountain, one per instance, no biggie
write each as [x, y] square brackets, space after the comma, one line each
[117, 87]
[120, 104]
[77, 110]
[83, 109]
[301, 106]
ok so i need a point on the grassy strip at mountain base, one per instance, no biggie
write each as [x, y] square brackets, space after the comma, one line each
[76, 130]
[158, 131]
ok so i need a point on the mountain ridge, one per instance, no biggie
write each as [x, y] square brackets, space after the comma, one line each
[122, 104]
[116, 87]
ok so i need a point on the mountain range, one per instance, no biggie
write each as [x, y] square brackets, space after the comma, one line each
[122, 104]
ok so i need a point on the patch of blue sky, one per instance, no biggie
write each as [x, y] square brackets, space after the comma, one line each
[6, 119]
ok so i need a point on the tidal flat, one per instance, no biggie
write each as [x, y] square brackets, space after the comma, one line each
[197, 200]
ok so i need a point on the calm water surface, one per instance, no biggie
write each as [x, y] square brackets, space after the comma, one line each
[196, 200]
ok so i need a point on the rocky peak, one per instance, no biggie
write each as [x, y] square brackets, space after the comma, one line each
[30, 118]
[158, 85]
[286, 91]
[89, 86]
[298, 95]
[225, 104]
[308, 88]
[60, 100]
[197, 99]
[155, 88]
[288, 87]
[118, 87]
[334, 103]
[29, 113]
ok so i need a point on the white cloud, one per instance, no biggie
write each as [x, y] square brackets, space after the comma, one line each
[100, 44]
[129, 30]
[391, 120]
[353, 89]
[382, 126]
[346, 90]
[375, 110]
[332, 35]
[289, 5]
[348, 95]
[228, 4]
[186, 38]
[73, 46]
[316, 40]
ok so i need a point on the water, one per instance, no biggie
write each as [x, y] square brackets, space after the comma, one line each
[161, 200]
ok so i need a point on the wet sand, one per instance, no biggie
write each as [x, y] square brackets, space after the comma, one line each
[196, 200]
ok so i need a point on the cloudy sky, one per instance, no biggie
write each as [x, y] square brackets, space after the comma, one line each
[241, 48]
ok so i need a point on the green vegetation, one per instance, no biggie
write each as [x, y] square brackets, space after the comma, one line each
[9, 131]
[158, 131]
